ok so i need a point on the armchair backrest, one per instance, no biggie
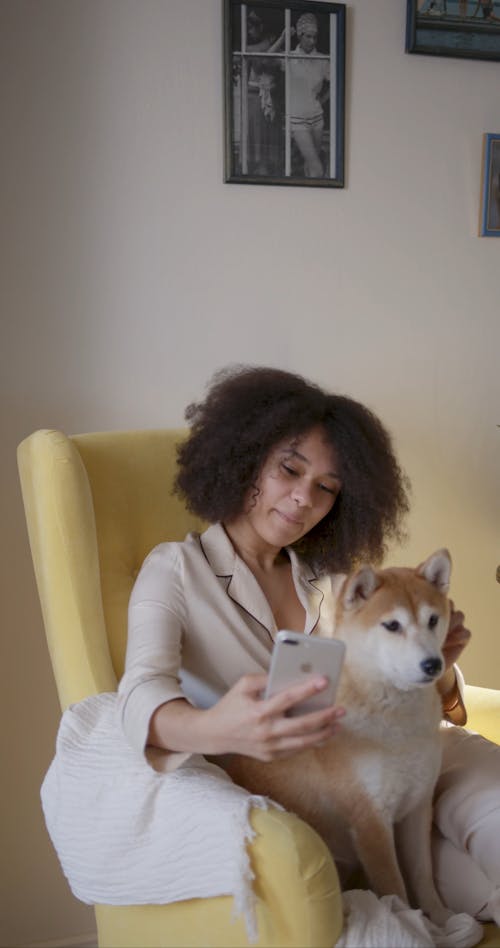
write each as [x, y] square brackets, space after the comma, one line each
[95, 505]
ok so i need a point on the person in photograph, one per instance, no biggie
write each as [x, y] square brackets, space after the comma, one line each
[486, 7]
[265, 125]
[309, 90]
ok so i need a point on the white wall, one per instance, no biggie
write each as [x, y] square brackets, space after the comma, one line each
[130, 273]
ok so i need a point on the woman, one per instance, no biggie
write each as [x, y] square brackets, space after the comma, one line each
[309, 89]
[272, 463]
[297, 484]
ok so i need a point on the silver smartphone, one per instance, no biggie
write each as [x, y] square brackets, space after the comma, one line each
[296, 658]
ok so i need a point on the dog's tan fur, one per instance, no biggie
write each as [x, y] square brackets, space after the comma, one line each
[368, 791]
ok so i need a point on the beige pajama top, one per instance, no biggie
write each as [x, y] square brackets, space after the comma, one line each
[198, 621]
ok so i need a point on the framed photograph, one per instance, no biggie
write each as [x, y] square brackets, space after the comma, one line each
[489, 216]
[468, 29]
[284, 71]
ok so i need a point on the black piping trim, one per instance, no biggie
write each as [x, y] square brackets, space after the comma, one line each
[311, 583]
[230, 576]
[249, 614]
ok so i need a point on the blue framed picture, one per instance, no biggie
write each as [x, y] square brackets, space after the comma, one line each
[284, 72]
[467, 29]
[489, 218]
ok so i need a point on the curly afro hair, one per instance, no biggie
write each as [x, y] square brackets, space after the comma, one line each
[246, 413]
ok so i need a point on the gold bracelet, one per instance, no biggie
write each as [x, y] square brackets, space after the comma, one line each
[452, 706]
[455, 703]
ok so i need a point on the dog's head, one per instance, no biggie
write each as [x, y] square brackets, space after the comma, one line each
[394, 621]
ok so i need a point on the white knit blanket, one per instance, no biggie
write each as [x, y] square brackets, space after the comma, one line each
[127, 834]
[389, 923]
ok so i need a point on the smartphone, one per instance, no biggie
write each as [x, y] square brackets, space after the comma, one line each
[296, 658]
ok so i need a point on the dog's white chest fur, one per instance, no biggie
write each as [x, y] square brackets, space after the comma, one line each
[396, 753]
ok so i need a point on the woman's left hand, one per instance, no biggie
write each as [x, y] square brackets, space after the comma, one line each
[456, 639]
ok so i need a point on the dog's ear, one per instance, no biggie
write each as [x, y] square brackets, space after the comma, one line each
[360, 586]
[437, 570]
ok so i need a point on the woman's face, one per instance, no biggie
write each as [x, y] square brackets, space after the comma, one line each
[254, 30]
[297, 487]
[307, 41]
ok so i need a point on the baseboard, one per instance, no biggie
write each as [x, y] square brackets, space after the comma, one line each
[88, 940]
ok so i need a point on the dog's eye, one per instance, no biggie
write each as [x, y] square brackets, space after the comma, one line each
[433, 621]
[392, 626]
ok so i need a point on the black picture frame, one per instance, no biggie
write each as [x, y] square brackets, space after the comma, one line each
[463, 29]
[284, 93]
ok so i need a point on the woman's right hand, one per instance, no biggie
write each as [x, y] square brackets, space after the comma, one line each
[243, 722]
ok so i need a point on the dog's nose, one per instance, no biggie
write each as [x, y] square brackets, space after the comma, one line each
[431, 667]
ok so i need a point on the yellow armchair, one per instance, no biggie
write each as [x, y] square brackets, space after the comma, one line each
[95, 505]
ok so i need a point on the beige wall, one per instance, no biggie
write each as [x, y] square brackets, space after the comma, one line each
[130, 273]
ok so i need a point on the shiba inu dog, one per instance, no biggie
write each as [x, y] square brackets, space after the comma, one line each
[368, 791]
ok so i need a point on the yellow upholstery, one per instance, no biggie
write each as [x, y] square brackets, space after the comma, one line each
[95, 505]
[483, 711]
[298, 899]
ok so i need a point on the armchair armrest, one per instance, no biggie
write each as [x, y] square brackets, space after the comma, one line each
[298, 899]
[483, 711]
